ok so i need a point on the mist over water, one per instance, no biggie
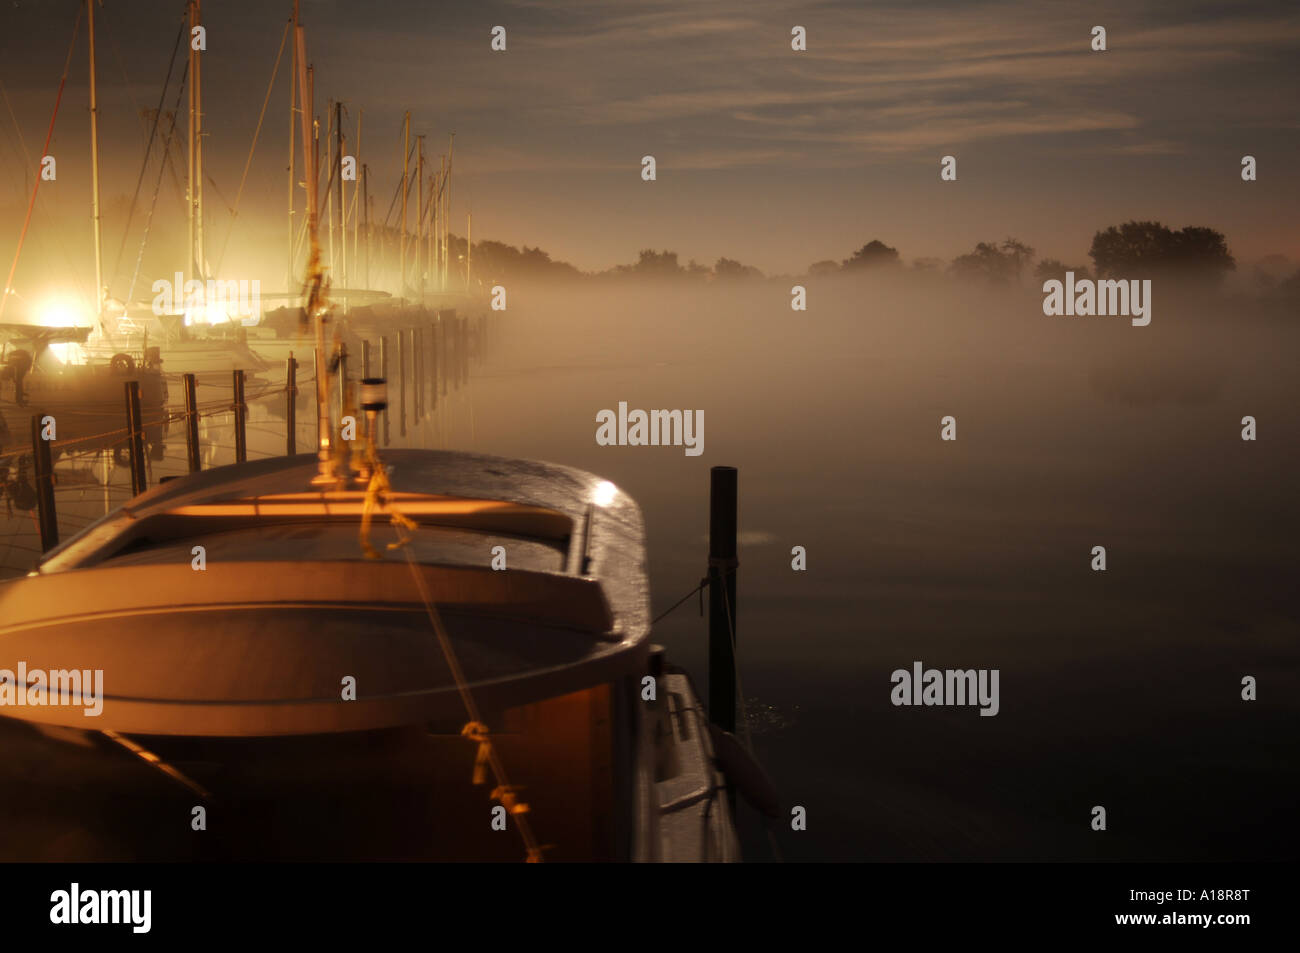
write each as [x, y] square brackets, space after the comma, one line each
[1119, 688]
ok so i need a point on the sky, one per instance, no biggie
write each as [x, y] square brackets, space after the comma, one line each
[769, 156]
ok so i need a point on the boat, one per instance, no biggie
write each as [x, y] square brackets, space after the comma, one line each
[227, 687]
[86, 399]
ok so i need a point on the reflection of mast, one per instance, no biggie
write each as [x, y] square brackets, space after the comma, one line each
[198, 266]
[94, 169]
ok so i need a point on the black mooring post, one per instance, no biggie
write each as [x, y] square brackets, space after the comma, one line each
[44, 486]
[417, 370]
[135, 437]
[383, 372]
[401, 382]
[722, 596]
[241, 416]
[291, 404]
[191, 422]
[433, 364]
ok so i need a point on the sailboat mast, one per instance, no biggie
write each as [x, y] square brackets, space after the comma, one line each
[342, 210]
[419, 217]
[357, 209]
[94, 169]
[406, 181]
[293, 138]
[197, 264]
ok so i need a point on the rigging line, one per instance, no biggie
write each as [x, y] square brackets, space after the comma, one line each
[744, 709]
[148, 149]
[256, 132]
[397, 191]
[467, 697]
[4, 292]
[162, 168]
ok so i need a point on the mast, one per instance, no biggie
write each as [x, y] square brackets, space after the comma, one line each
[365, 207]
[358, 210]
[438, 219]
[197, 264]
[342, 213]
[406, 182]
[446, 210]
[329, 192]
[293, 95]
[314, 304]
[94, 170]
[419, 205]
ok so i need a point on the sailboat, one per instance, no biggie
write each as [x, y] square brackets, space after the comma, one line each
[195, 333]
[49, 369]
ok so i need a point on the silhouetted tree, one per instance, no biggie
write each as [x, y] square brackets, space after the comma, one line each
[824, 267]
[726, 268]
[989, 262]
[1050, 268]
[1020, 253]
[1137, 248]
[870, 255]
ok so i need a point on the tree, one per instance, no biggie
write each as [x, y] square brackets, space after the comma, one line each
[1137, 248]
[871, 255]
[726, 268]
[986, 263]
[824, 267]
[1019, 253]
[1050, 268]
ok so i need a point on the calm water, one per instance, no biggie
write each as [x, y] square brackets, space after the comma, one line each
[1119, 689]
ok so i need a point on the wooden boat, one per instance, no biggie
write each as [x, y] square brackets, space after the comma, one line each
[227, 687]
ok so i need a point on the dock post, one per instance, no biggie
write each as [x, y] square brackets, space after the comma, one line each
[401, 381]
[722, 597]
[135, 436]
[383, 372]
[343, 381]
[191, 423]
[433, 363]
[44, 487]
[241, 415]
[365, 359]
[417, 370]
[291, 404]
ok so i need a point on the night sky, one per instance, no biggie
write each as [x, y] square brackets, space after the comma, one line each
[772, 157]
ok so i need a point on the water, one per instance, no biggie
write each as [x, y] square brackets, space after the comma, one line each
[1119, 689]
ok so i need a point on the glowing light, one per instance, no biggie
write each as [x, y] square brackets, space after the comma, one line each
[68, 352]
[604, 493]
[62, 313]
[209, 314]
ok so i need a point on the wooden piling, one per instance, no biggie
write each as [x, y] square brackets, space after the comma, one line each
[291, 404]
[241, 418]
[401, 382]
[44, 466]
[383, 372]
[722, 596]
[191, 422]
[135, 438]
